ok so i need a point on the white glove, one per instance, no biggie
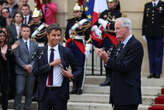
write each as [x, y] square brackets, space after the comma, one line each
[63, 44]
[97, 31]
[81, 22]
[88, 48]
[103, 22]
[144, 38]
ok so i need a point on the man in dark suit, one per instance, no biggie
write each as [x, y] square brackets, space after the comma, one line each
[153, 32]
[26, 13]
[24, 65]
[52, 69]
[125, 62]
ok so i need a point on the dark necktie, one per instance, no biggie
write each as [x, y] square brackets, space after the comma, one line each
[119, 48]
[51, 71]
[25, 20]
[26, 45]
[154, 4]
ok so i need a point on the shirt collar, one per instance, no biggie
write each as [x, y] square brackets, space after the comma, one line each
[18, 24]
[126, 40]
[55, 48]
[26, 40]
[156, 2]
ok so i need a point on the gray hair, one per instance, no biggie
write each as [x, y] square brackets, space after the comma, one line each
[126, 22]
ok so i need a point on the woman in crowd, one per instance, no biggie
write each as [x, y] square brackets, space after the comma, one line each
[49, 11]
[5, 52]
[14, 28]
[6, 15]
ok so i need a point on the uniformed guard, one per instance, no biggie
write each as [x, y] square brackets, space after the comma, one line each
[153, 31]
[39, 35]
[38, 28]
[76, 34]
[103, 35]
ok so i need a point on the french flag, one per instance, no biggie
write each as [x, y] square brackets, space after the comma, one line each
[93, 8]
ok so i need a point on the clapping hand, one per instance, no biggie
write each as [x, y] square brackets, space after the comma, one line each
[102, 54]
[14, 46]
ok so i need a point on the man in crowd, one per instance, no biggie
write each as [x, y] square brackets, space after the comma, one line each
[24, 65]
[153, 33]
[26, 14]
[125, 62]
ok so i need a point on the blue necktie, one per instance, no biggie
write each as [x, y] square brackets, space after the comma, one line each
[26, 45]
[51, 71]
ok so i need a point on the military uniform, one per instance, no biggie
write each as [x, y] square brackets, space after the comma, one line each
[76, 43]
[110, 15]
[153, 29]
[108, 36]
[39, 38]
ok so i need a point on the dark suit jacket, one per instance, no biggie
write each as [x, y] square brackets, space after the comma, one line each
[12, 33]
[43, 69]
[3, 21]
[153, 20]
[126, 74]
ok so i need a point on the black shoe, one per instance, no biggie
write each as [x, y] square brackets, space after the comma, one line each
[150, 76]
[73, 91]
[105, 83]
[157, 76]
[79, 92]
[35, 99]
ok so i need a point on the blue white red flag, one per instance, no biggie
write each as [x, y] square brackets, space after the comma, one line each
[93, 8]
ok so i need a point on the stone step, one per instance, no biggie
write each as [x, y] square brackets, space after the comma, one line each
[144, 81]
[104, 98]
[84, 106]
[96, 89]
[96, 106]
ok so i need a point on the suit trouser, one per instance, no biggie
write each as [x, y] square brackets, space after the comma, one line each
[125, 107]
[52, 100]
[77, 83]
[4, 99]
[24, 83]
[155, 50]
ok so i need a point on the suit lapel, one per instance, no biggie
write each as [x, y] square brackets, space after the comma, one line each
[45, 54]
[24, 46]
[124, 50]
[61, 56]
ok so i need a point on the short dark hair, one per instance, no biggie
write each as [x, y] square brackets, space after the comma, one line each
[53, 27]
[18, 12]
[25, 26]
[26, 5]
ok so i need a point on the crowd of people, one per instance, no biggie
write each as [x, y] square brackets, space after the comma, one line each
[33, 62]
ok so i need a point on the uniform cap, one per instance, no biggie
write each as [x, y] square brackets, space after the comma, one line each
[77, 7]
[36, 13]
[112, 0]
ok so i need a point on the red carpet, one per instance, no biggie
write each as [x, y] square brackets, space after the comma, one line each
[156, 107]
[158, 100]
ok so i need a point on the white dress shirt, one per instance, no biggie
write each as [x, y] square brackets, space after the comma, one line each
[57, 70]
[27, 19]
[18, 27]
[155, 2]
[126, 40]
